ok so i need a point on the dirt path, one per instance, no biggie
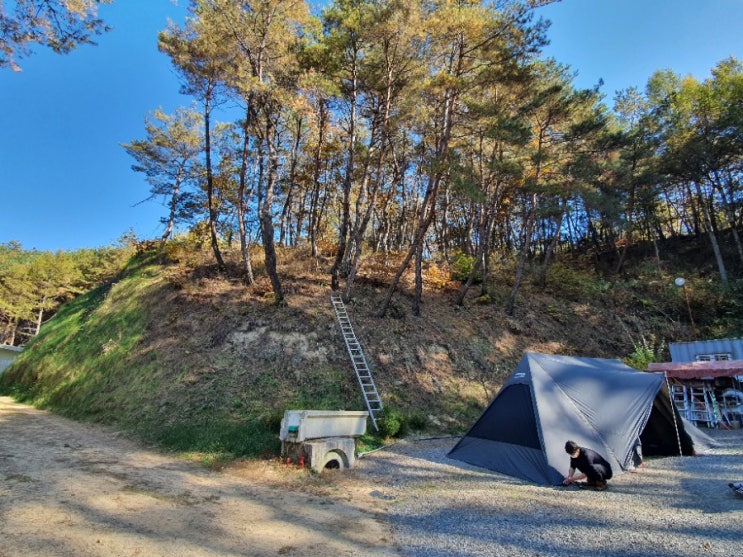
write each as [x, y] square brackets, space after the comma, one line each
[71, 489]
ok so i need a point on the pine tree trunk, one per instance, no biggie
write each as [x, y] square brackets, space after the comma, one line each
[549, 253]
[210, 189]
[427, 214]
[171, 217]
[526, 245]
[243, 200]
[314, 217]
[266, 216]
[40, 316]
[285, 236]
[347, 183]
[713, 239]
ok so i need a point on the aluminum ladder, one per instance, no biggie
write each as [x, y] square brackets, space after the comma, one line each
[363, 373]
[720, 418]
[702, 406]
[680, 399]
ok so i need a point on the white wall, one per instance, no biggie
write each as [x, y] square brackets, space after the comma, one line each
[7, 355]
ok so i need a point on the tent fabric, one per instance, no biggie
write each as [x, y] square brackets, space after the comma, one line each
[598, 403]
[699, 370]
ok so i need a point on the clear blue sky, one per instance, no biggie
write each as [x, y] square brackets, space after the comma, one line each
[66, 182]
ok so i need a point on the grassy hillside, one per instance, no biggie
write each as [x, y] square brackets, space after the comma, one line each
[195, 361]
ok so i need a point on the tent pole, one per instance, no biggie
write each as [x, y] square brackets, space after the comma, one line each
[673, 413]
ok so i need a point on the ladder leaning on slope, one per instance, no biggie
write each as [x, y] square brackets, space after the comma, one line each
[363, 373]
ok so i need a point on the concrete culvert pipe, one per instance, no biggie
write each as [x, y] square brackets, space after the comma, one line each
[335, 460]
[330, 453]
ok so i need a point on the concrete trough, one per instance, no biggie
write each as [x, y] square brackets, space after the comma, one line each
[324, 439]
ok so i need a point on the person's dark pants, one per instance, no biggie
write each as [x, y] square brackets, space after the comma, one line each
[598, 473]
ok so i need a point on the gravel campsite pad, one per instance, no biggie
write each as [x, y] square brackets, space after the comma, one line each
[73, 489]
[672, 507]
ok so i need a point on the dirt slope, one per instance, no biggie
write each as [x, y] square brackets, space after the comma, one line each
[447, 363]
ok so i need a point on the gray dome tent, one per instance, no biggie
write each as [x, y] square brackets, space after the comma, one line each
[598, 403]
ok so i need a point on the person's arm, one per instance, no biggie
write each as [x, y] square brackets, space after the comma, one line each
[570, 478]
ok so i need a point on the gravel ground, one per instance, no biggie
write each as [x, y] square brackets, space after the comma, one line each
[677, 506]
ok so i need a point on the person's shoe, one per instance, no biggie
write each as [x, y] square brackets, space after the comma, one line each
[600, 485]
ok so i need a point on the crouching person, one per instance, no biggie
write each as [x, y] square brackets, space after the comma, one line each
[592, 467]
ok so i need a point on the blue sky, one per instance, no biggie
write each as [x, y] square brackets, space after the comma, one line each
[67, 183]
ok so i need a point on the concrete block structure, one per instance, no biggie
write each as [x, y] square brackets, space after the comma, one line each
[322, 439]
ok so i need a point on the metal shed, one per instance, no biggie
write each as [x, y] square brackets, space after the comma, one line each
[714, 350]
[705, 380]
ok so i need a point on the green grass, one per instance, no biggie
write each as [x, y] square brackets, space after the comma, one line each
[220, 440]
[77, 362]
[83, 350]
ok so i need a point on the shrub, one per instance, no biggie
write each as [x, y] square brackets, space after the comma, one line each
[437, 276]
[418, 421]
[484, 300]
[645, 352]
[462, 266]
[391, 423]
[574, 283]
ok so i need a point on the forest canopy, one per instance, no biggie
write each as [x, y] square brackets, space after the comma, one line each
[432, 129]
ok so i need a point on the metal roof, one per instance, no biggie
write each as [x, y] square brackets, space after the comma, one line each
[699, 370]
[690, 351]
